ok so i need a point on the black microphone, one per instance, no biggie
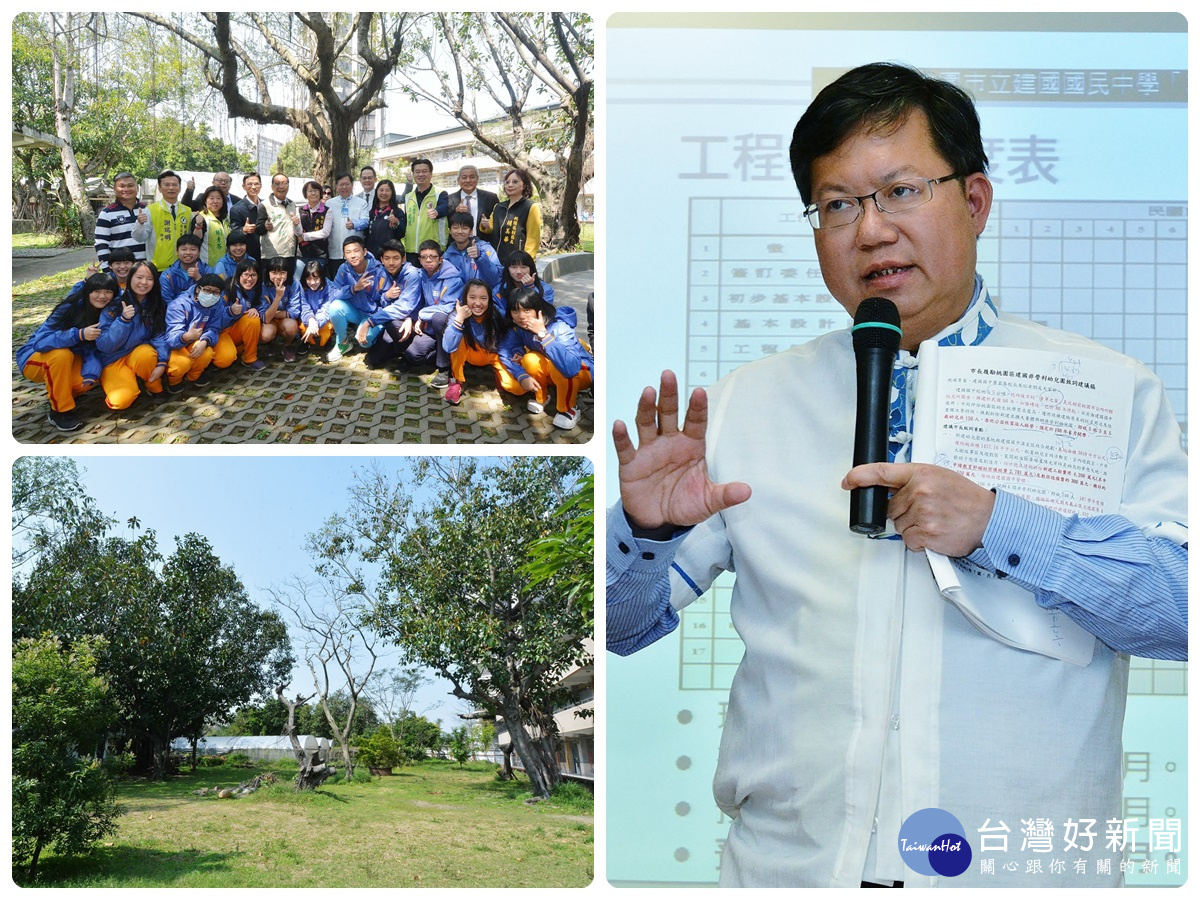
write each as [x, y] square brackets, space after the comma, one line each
[876, 337]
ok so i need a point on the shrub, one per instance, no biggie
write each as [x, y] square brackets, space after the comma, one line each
[379, 751]
[238, 761]
[211, 762]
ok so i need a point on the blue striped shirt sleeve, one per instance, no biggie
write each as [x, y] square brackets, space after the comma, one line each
[638, 607]
[1125, 586]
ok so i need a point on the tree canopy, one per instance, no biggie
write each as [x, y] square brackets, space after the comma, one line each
[184, 643]
[62, 797]
[448, 544]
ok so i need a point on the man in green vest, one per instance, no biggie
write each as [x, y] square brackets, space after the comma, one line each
[168, 221]
[426, 209]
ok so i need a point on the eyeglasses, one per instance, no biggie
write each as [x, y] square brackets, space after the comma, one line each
[900, 196]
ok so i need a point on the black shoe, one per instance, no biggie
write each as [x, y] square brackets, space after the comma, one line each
[160, 397]
[204, 377]
[440, 380]
[65, 421]
[174, 388]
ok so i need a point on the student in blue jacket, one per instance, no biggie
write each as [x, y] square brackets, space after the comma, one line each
[193, 330]
[439, 286]
[62, 352]
[186, 270]
[133, 341]
[240, 319]
[278, 298]
[553, 354]
[310, 306]
[388, 332]
[521, 271]
[478, 334]
[235, 251]
[354, 297]
[472, 257]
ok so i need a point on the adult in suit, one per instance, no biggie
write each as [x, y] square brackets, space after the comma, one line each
[469, 198]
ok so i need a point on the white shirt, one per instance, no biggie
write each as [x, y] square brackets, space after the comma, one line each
[339, 210]
[863, 696]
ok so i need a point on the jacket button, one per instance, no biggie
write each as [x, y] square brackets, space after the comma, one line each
[1013, 559]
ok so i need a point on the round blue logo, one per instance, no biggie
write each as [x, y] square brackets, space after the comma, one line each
[932, 842]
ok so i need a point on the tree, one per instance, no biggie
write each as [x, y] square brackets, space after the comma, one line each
[461, 744]
[48, 509]
[448, 541]
[418, 737]
[66, 28]
[296, 157]
[567, 556]
[62, 797]
[340, 60]
[392, 692]
[517, 59]
[339, 648]
[312, 772]
[185, 645]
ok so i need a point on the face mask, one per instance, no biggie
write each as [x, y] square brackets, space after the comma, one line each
[207, 299]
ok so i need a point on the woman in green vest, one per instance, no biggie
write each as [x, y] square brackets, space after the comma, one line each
[208, 226]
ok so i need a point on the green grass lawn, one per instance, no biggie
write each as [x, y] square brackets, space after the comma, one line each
[587, 237]
[430, 825]
[35, 240]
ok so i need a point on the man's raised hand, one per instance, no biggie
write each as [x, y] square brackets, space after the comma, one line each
[665, 479]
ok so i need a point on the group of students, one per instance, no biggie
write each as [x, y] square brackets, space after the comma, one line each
[462, 303]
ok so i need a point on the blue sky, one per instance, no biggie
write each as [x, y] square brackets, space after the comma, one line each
[255, 511]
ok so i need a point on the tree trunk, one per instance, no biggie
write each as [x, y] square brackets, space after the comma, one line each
[506, 772]
[313, 772]
[543, 774]
[64, 107]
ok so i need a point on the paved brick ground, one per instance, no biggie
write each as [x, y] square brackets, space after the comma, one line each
[315, 402]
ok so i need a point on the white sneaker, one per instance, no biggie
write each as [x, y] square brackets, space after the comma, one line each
[567, 419]
[534, 407]
[337, 351]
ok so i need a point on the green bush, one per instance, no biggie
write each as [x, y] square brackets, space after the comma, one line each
[238, 761]
[211, 762]
[574, 795]
[379, 751]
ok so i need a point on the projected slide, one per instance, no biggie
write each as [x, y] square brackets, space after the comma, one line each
[710, 264]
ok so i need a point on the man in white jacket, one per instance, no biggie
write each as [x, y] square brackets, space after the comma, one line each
[863, 697]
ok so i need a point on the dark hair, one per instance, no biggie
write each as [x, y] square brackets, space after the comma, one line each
[188, 238]
[340, 175]
[353, 239]
[430, 245]
[525, 180]
[153, 308]
[212, 279]
[529, 297]
[279, 264]
[76, 311]
[520, 258]
[364, 168]
[213, 189]
[460, 218]
[250, 175]
[311, 184]
[237, 236]
[881, 96]
[313, 265]
[167, 173]
[233, 287]
[375, 199]
[421, 160]
[395, 245]
[120, 254]
[494, 325]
